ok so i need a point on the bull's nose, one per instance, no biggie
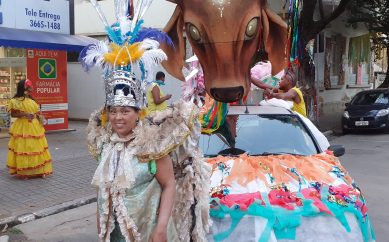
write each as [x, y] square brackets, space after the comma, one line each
[228, 94]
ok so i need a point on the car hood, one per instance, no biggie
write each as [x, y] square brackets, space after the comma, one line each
[275, 187]
[365, 111]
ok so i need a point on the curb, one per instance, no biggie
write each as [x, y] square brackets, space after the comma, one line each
[24, 218]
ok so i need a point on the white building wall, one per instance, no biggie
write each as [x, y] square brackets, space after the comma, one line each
[85, 91]
[331, 103]
[87, 21]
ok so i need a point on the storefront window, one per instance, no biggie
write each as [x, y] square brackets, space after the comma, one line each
[12, 70]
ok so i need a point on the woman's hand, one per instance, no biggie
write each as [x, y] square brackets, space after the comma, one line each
[268, 93]
[165, 177]
[158, 235]
[30, 116]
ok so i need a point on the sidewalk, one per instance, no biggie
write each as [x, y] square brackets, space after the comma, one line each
[73, 225]
[68, 187]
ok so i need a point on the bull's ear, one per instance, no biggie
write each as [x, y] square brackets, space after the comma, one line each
[275, 32]
[176, 53]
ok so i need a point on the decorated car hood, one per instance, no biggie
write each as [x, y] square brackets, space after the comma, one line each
[283, 189]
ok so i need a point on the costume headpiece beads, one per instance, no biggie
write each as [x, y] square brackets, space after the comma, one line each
[129, 49]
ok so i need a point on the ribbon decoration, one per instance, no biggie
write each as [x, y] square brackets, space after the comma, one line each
[293, 48]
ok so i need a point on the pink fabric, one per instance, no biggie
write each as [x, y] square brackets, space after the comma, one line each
[314, 195]
[261, 70]
[285, 199]
[243, 200]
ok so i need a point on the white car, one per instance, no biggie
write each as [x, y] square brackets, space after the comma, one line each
[274, 182]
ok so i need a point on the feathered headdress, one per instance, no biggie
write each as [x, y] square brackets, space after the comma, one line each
[129, 48]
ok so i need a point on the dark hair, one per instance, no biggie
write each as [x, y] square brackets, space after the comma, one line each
[20, 89]
[159, 75]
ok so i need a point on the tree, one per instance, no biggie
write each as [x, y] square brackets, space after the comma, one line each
[310, 28]
[375, 15]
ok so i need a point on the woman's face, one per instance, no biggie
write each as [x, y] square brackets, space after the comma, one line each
[28, 90]
[123, 120]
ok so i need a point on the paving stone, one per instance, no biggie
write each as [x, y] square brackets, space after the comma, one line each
[73, 169]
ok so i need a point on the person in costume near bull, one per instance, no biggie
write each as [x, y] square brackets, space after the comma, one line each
[289, 92]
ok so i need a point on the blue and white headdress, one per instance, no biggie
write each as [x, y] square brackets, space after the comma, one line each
[129, 49]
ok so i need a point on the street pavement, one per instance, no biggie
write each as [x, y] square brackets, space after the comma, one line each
[73, 169]
[366, 159]
[75, 225]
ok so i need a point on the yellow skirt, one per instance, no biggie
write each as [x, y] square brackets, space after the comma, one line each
[28, 151]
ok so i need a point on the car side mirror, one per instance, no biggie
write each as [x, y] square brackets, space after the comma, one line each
[346, 104]
[338, 150]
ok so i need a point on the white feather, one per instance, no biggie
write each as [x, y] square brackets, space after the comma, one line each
[125, 26]
[121, 7]
[150, 44]
[95, 54]
[151, 59]
[140, 10]
[102, 17]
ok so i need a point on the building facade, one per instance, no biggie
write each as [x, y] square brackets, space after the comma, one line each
[35, 37]
[343, 67]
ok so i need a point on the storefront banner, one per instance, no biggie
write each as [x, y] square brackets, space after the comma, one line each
[48, 72]
[39, 15]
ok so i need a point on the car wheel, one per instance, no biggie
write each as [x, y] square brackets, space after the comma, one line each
[345, 131]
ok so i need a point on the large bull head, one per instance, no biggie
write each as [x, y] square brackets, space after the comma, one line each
[225, 35]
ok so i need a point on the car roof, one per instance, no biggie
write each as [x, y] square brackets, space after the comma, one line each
[244, 110]
[383, 90]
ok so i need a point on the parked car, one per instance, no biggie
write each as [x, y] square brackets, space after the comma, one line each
[367, 110]
[273, 182]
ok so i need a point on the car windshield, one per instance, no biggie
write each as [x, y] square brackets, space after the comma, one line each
[371, 98]
[262, 135]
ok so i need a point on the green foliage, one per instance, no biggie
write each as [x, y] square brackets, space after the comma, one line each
[375, 15]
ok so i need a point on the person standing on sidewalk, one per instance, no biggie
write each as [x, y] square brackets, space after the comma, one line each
[28, 152]
[156, 99]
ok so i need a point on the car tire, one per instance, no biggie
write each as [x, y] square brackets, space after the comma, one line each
[345, 131]
[386, 130]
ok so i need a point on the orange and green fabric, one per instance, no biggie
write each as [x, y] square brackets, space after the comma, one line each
[283, 195]
[212, 115]
[299, 107]
[28, 151]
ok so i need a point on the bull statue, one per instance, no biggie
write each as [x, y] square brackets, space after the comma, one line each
[226, 36]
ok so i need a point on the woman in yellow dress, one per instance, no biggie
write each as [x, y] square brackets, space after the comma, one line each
[28, 153]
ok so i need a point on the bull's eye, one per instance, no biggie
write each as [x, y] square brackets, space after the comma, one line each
[251, 29]
[194, 32]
